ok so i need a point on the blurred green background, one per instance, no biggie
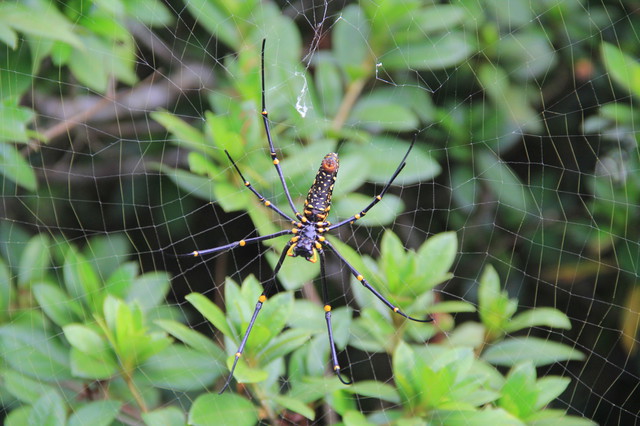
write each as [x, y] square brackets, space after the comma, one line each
[113, 120]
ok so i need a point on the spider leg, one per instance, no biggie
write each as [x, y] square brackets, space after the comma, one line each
[257, 194]
[327, 316]
[235, 244]
[263, 298]
[274, 158]
[364, 282]
[378, 197]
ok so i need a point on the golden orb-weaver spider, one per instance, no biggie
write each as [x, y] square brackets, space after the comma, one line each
[308, 231]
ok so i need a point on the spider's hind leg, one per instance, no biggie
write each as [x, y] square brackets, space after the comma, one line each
[327, 316]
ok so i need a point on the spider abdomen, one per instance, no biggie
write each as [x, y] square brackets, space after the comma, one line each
[318, 202]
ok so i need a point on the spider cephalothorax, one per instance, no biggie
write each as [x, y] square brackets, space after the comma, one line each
[308, 239]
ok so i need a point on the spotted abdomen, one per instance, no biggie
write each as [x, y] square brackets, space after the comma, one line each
[318, 202]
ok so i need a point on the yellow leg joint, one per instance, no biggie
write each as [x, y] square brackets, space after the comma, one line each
[262, 298]
[242, 243]
[327, 308]
[276, 161]
[238, 354]
[195, 253]
[395, 309]
[359, 278]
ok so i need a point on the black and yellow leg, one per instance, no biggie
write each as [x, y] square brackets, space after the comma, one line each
[327, 316]
[366, 285]
[268, 290]
[274, 158]
[378, 197]
[240, 243]
[257, 194]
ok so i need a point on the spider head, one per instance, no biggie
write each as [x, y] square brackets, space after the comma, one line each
[304, 247]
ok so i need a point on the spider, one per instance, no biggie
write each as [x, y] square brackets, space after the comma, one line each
[308, 240]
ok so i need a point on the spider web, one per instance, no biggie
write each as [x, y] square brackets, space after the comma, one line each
[532, 128]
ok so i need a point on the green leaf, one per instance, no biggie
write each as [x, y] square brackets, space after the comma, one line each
[226, 409]
[495, 307]
[489, 416]
[149, 290]
[183, 133]
[13, 122]
[95, 365]
[623, 69]
[216, 20]
[440, 17]
[436, 256]
[84, 338]
[22, 387]
[283, 344]
[57, 304]
[451, 306]
[49, 410]
[120, 281]
[149, 12]
[6, 289]
[350, 46]
[198, 186]
[296, 406]
[96, 413]
[519, 393]
[549, 388]
[538, 351]
[377, 115]
[434, 54]
[81, 280]
[30, 351]
[169, 416]
[45, 22]
[539, 317]
[404, 364]
[19, 417]
[375, 389]
[16, 77]
[329, 85]
[8, 36]
[211, 312]
[13, 166]
[385, 212]
[35, 260]
[183, 369]
[192, 338]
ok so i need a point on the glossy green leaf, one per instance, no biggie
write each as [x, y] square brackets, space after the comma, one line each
[57, 304]
[451, 306]
[107, 252]
[375, 389]
[85, 338]
[95, 365]
[22, 387]
[211, 312]
[19, 417]
[295, 405]
[439, 53]
[283, 344]
[519, 393]
[14, 167]
[13, 122]
[198, 186]
[623, 69]
[436, 256]
[49, 410]
[35, 260]
[226, 409]
[81, 280]
[350, 41]
[46, 22]
[404, 364]
[95, 413]
[182, 369]
[440, 17]
[490, 416]
[538, 351]
[192, 338]
[120, 281]
[30, 351]
[216, 20]
[539, 317]
[329, 86]
[169, 416]
[377, 115]
[149, 290]
[6, 289]
[183, 134]
[8, 36]
[384, 213]
[150, 12]
[549, 388]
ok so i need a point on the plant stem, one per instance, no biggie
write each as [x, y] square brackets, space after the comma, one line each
[128, 378]
[353, 91]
